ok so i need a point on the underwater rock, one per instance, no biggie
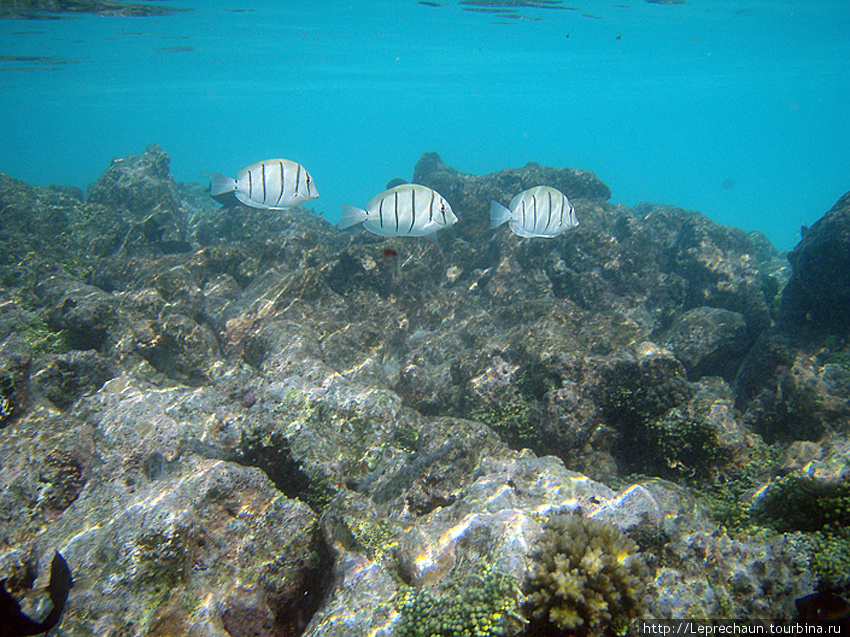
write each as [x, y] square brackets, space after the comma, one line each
[666, 425]
[787, 393]
[237, 223]
[86, 315]
[177, 347]
[25, 213]
[38, 231]
[752, 579]
[64, 378]
[817, 297]
[141, 189]
[827, 463]
[15, 364]
[472, 194]
[431, 403]
[811, 487]
[210, 530]
[710, 342]
[714, 265]
[793, 385]
[47, 461]
[180, 292]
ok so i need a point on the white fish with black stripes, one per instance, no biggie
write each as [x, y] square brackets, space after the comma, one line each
[273, 184]
[409, 210]
[537, 212]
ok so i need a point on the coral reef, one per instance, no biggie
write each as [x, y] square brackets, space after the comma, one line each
[324, 432]
[586, 575]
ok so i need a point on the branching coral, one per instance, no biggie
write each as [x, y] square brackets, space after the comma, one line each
[586, 574]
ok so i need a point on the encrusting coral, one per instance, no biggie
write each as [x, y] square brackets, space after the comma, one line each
[586, 574]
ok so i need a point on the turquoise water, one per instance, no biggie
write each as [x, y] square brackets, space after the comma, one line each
[737, 109]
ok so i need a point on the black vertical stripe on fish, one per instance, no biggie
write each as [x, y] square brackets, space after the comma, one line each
[250, 186]
[412, 209]
[297, 181]
[534, 204]
[395, 197]
[443, 210]
[263, 172]
[431, 208]
[563, 207]
[309, 184]
[282, 183]
[381, 213]
[549, 218]
[523, 213]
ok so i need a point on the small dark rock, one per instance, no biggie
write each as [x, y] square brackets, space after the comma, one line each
[249, 399]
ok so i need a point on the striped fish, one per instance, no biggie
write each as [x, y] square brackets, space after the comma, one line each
[409, 210]
[536, 212]
[274, 184]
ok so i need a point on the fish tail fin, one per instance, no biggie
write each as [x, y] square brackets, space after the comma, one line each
[350, 216]
[60, 584]
[221, 184]
[498, 214]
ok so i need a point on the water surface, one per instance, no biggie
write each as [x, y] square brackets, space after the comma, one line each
[733, 108]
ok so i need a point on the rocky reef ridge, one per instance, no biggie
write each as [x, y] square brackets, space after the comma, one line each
[242, 422]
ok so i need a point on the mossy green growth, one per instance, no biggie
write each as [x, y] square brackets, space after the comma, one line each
[687, 447]
[513, 421]
[727, 501]
[407, 438]
[43, 340]
[795, 503]
[839, 351]
[483, 604]
[586, 574]
[841, 358]
[650, 404]
[822, 512]
[160, 560]
[831, 557]
[374, 537]
[318, 494]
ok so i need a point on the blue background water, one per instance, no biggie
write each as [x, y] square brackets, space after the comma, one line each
[737, 109]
